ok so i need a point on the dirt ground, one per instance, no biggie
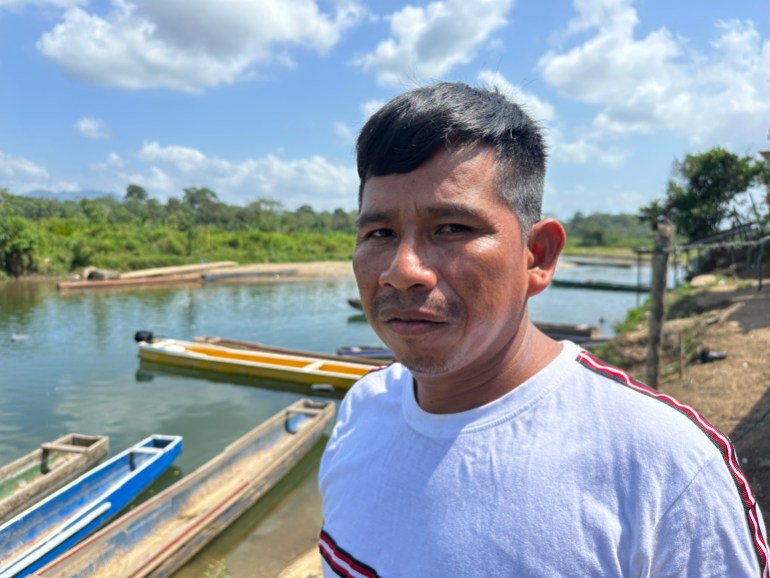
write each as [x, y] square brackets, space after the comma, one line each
[733, 393]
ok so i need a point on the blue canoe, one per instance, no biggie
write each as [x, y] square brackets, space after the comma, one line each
[157, 537]
[45, 530]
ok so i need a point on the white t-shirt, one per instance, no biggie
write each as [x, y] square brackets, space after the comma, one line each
[579, 471]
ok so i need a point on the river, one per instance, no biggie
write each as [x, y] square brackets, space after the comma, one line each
[68, 363]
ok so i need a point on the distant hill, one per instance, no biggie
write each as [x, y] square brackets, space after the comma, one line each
[69, 195]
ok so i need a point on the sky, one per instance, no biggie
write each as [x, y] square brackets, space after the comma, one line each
[263, 99]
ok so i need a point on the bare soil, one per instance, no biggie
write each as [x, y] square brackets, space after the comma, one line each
[733, 393]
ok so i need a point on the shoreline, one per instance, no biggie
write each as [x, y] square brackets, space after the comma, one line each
[329, 269]
[304, 270]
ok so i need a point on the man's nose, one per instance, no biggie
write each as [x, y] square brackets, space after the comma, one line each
[409, 268]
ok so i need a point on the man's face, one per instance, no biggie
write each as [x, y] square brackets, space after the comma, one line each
[441, 265]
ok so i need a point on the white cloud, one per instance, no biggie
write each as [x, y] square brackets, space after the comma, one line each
[91, 127]
[12, 168]
[149, 44]
[314, 181]
[427, 42]
[370, 107]
[657, 83]
[184, 159]
[20, 175]
[586, 150]
[537, 109]
[605, 199]
[346, 134]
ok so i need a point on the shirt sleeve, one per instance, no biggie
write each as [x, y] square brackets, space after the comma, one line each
[708, 532]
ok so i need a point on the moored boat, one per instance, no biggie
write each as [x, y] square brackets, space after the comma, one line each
[46, 529]
[285, 367]
[42, 471]
[130, 281]
[160, 535]
[366, 352]
[256, 346]
[581, 333]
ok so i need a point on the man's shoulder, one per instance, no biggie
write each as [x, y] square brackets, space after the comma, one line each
[646, 414]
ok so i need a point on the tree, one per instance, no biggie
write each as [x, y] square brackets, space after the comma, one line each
[18, 244]
[136, 193]
[199, 197]
[704, 192]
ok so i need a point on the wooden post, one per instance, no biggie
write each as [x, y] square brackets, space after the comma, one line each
[664, 238]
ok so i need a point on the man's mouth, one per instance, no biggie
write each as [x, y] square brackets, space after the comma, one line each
[411, 322]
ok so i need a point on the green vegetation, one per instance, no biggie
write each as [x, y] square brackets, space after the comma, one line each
[217, 569]
[51, 237]
[709, 188]
[604, 231]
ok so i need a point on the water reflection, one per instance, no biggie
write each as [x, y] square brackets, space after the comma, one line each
[78, 371]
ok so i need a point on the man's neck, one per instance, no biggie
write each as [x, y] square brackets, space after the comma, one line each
[513, 365]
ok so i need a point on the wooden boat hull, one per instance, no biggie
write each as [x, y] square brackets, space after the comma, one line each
[50, 527]
[159, 536]
[600, 285]
[256, 346]
[366, 352]
[578, 333]
[283, 367]
[130, 282]
[46, 469]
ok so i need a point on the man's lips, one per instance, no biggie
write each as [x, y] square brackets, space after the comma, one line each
[411, 322]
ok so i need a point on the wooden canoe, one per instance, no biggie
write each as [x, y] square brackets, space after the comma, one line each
[600, 285]
[48, 528]
[160, 535]
[199, 268]
[246, 274]
[578, 333]
[131, 282]
[256, 346]
[366, 352]
[285, 367]
[46, 469]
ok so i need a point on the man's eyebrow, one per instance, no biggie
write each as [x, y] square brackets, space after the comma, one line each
[365, 219]
[444, 211]
[452, 210]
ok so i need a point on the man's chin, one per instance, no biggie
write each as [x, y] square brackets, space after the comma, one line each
[424, 364]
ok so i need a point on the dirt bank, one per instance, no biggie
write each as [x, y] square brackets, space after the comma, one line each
[733, 393]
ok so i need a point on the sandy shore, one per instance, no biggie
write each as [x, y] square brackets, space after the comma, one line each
[308, 270]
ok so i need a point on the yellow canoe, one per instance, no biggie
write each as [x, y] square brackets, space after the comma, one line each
[285, 367]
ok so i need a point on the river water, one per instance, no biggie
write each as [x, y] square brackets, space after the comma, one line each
[68, 363]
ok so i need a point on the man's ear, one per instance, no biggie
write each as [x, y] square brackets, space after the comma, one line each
[546, 240]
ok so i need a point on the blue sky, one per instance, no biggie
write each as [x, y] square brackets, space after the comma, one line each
[263, 98]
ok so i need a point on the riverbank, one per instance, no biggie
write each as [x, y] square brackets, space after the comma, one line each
[731, 320]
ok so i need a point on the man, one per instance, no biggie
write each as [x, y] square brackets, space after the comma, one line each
[489, 449]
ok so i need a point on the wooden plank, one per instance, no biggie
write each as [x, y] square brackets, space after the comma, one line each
[177, 269]
[107, 283]
[41, 472]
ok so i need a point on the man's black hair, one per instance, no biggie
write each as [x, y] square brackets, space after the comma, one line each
[413, 126]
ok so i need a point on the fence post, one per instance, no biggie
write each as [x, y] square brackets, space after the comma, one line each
[664, 238]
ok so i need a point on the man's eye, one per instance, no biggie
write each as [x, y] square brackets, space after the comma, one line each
[454, 228]
[380, 234]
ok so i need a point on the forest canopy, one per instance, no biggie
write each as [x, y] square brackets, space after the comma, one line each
[54, 237]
